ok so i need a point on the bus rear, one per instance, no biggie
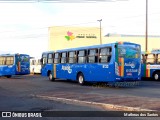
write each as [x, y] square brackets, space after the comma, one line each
[127, 61]
[35, 66]
[22, 62]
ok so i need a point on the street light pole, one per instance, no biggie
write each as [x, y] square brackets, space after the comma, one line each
[100, 31]
[146, 25]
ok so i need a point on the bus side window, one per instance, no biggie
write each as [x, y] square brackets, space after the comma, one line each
[50, 58]
[105, 55]
[150, 59]
[64, 57]
[44, 59]
[26, 59]
[158, 58]
[39, 62]
[82, 56]
[57, 58]
[110, 51]
[92, 56]
[32, 62]
[72, 57]
[2, 60]
[9, 60]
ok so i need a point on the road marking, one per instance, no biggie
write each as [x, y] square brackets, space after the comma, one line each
[104, 105]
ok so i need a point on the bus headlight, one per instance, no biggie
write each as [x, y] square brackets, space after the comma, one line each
[10, 66]
[116, 69]
[139, 70]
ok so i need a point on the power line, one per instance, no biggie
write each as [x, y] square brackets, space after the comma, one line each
[48, 27]
[45, 35]
[141, 15]
[60, 33]
[24, 30]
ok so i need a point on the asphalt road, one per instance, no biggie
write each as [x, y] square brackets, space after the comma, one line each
[19, 94]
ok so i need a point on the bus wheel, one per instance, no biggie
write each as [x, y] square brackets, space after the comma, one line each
[81, 79]
[9, 76]
[33, 71]
[51, 77]
[156, 76]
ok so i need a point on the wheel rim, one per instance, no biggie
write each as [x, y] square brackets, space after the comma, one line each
[156, 76]
[80, 79]
[50, 76]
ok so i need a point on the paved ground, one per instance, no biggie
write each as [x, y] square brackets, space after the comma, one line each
[23, 93]
[146, 95]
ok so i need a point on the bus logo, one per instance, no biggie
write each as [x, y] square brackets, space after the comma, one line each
[131, 64]
[67, 68]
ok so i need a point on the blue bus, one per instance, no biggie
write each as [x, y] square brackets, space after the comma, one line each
[14, 64]
[119, 61]
[151, 64]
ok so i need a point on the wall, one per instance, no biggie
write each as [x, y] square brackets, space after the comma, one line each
[58, 37]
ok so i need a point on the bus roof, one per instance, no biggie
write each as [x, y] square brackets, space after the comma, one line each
[12, 54]
[156, 51]
[81, 48]
[90, 47]
[151, 52]
[48, 52]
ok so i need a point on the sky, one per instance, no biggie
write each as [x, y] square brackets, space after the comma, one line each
[24, 25]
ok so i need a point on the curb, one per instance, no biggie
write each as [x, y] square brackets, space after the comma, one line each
[104, 105]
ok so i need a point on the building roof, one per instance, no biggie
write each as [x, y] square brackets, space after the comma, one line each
[125, 35]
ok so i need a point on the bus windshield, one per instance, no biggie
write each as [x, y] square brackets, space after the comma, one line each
[129, 51]
[24, 58]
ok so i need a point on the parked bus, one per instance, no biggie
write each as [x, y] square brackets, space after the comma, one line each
[14, 64]
[35, 66]
[151, 64]
[120, 61]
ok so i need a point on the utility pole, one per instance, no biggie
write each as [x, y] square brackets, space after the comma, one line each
[100, 31]
[146, 45]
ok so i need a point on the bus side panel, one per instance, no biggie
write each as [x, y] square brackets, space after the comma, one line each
[37, 69]
[91, 72]
[66, 71]
[69, 71]
[147, 70]
[45, 69]
[150, 69]
[32, 69]
[99, 72]
[7, 70]
[151, 72]
[143, 70]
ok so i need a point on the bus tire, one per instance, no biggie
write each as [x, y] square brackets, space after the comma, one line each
[80, 79]
[50, 77]
[9, 76]
[156, 76]
[33, 71]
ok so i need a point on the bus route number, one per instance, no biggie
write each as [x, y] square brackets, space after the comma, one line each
[105, 66]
